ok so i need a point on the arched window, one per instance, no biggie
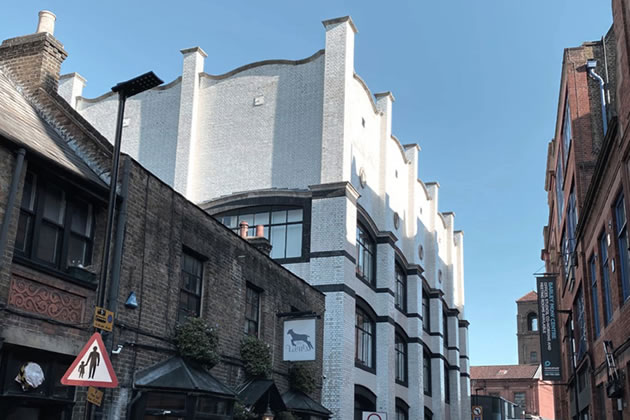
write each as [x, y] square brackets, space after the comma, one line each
[365, 339]
[282, 226]
[364, 400]
[532, 322]
[428, 414]
[401, 288]
[401, 358]
[366, 256]
[402, 410]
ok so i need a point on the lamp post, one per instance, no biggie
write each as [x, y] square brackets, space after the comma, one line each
[125, 90]
[268, 414]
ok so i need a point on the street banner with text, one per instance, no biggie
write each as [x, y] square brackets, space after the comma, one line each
[549, 329]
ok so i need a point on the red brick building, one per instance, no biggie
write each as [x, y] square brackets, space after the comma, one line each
[520, 384]
[176, 259]
[586, 240]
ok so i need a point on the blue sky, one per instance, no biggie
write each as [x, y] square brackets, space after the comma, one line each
[476, 85]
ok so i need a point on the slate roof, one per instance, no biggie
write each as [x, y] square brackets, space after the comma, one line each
[300, 402]
[529, 297]
[178, 375]
[22, 124]
[258, 392]
[504, 372]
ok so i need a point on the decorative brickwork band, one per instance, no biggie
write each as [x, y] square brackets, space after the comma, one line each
[44, 300]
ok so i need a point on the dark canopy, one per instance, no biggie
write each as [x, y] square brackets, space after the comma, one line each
[257, 393]
[177, 374]
[299, 402]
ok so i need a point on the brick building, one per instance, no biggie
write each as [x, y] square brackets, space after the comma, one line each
[520, 384]
[527, 329]
[308, 136]
[176, 259]
[585, 239]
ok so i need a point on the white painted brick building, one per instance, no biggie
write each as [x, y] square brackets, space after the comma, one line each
[307, 139]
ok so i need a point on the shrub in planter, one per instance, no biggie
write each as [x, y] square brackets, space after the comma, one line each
[197, 341]
[302, 378]
[256, 357]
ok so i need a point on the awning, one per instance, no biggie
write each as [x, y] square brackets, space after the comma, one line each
[299, 402]
[179, 375]
[257, 393]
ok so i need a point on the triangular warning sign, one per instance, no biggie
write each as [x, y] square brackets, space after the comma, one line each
[92, 366]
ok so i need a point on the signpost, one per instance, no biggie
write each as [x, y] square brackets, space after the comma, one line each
[92, 366]
[477, 412]
[548, 327]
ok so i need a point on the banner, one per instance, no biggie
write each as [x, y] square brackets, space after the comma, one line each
[549, 329]
[299, 339]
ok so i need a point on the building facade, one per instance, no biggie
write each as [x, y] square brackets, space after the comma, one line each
[527, 329]
[585, 240]
[175, 261]
[304, 148]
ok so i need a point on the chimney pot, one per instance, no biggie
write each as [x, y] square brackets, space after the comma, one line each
[260, 231]
[46, 22]
[244, 228]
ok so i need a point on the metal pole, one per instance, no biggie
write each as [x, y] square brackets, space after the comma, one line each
[112, 199]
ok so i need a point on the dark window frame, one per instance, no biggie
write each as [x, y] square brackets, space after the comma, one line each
[531, 317]
[401, 290]
[427, 373]
[401, 350]
[447, 383]
[607, 298]
[250, 292]
[71, 202]
[366, 246]
[594, 296]
[426, 311]
[362, 333]
[402, 410]
[621, 235]
[186, 311]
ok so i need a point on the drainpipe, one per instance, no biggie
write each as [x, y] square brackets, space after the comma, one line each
[118, 247]
[590, 65]
[17, 171]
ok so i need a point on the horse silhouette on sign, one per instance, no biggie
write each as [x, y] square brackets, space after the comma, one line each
[299, 337]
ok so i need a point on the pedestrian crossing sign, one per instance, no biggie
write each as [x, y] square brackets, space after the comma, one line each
[92, 366]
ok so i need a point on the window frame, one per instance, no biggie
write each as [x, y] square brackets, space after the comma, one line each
[427, 373]
[35, 215]
[607, 298]
[402, 410]
[445, 327]
[401, 291]
[426, 311]
[401, 351]
[531, 317]
[567, 131]
[183, 290]
[447, 383]
[559, 188]
[594, 296]
[250, 289]
[621, 235]
[364, 247]
[361, 334]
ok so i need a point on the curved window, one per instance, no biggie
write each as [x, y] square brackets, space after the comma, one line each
[428, 414]
[364, 339]
[366, 252]
[282, 226]
[401, 288]
[364, 400]
[402, 410]
[401, 359]
[532, 322]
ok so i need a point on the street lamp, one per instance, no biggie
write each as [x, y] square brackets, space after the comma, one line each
[268, 414]
[125, 90]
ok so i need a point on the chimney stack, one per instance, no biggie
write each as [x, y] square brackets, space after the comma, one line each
[34, 61]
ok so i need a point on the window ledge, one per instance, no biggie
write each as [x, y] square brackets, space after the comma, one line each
[365, 368]
[76, 275]
[402, 383]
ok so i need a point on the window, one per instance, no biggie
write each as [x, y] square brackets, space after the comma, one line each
[566, 254]
[428, 415]
[593, 270]
[364, 339]
[533, 357]
[532, 322]
[559, 189]
[519, 399]
[601, 402]
[603, 250]
[426, 372]
[190, 292]
[445, 328]
[252, 310]
[401, 288]
[55, 227]
[401, 359]
[566, 131]
[580, 328]
[402, 410]
[447, 384]
[571, 221]
[364, 400]
[622, 242]
[426, 312]
[366, 250]
[282, 226]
